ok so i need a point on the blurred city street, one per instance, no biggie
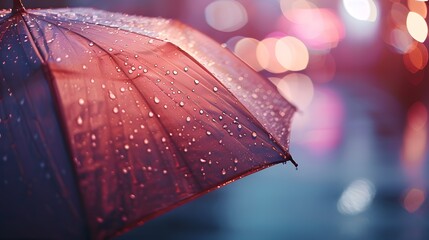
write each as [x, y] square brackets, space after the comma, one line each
[358, 72]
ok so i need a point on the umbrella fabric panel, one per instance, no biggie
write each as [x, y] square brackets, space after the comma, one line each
[149, 127]
[36, 174]
[256, 93]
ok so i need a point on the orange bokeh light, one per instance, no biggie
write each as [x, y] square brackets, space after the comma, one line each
[417, 58]
[418, 7]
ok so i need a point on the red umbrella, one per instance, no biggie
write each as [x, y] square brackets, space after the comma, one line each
[108, 120]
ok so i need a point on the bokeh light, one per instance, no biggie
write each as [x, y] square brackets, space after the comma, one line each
[417, 26]
[318, 28]
[322, 136]
[364, 10]
[414, 199]
[418, 7]
[292, 53]
[245, 49]
[226, 15]
[297, 88]
[415, 139]
[417, 58]
[357, 197]
[266, 55]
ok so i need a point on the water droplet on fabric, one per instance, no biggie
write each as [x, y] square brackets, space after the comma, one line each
[181, 104]
[215, 89]
[223, 171]
[156, 100]
[112, 95]
[150, 114]
[115, 110]
[188, 119]
[254, 134]
[196, 82]
[79, 120]
[81, 101]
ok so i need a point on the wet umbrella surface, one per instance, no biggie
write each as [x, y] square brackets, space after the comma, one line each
[108, 120]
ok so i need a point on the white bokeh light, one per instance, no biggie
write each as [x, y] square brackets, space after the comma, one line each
[226, 15]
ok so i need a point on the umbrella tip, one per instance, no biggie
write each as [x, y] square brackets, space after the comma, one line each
[293, 162]
[17, 6]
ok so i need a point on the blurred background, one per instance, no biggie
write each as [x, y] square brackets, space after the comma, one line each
[357, 70]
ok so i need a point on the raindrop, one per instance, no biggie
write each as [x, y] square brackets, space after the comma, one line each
[163, 139]
[112, 95]
[156, 100]
[151, 114]
[58, 59]
[132, 196]
[215, 89]
[84, 67]
[220, 118]
[208, 133]
[223, 171]
[100, 220]
[201, 111]
[115, 110]
[122, 89]
[239, 126]
[203, 160]
[81, 101]
[150, 41]
[254, 135]
[91, 44]
[79, 120]
[188, 119]
[130, 71]
[196, 82]
[175, 72]
[146, 141]
[164, 171]
[110, 49]
[186, 69]
[145, 70]
[181, 104]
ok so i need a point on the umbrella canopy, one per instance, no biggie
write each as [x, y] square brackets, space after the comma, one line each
[108, 120]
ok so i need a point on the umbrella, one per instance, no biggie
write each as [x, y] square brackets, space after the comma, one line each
[108, 120]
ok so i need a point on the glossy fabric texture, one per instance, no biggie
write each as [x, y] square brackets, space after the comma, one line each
[149, 113]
